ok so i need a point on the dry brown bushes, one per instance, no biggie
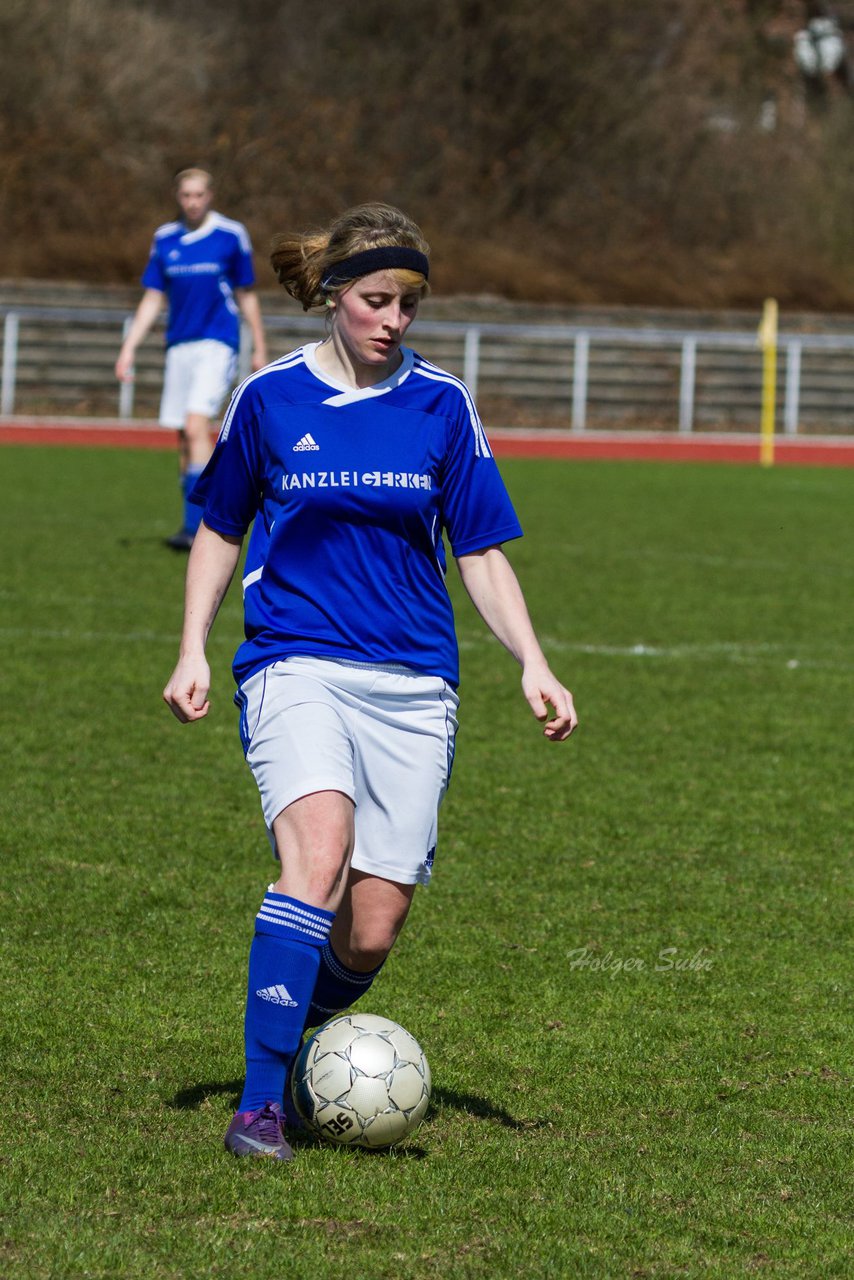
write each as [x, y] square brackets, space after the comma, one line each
[664, 152]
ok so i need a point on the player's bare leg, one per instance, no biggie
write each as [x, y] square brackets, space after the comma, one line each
[196, 441]
[370, 916]
[314, 840]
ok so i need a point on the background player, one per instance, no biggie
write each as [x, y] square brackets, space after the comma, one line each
[201, 264]
[351, 456]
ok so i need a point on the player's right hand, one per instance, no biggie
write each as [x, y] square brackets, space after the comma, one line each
[186, 694]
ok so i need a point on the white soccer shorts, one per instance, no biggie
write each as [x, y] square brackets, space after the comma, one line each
[383, 735]
[197, 378]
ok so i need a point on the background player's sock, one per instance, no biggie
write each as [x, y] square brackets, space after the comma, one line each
[192, 511]
[283, 962]
[337, 987]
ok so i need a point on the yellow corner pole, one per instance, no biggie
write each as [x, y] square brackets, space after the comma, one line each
[768, 343]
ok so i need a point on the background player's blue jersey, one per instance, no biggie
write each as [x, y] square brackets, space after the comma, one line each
[199, 271]
[350, 491]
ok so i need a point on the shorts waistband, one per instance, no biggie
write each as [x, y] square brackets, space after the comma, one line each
[393, 668]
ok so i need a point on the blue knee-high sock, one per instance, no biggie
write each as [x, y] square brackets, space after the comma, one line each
[192, 510]
[283, 963]
[337, 987]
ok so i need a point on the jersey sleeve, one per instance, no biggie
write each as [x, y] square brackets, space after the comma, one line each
[476, 508]
[153, 277]
[230, 487]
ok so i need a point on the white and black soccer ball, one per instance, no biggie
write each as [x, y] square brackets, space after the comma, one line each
[362, 1081]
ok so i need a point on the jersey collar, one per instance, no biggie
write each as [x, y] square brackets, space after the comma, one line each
[360, 393]
[205, 227]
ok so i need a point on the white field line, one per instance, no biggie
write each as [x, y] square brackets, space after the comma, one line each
[792, 656]
[844, 568]
[95, 637]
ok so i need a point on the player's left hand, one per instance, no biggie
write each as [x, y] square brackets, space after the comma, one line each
[125, 367]
[542, 690]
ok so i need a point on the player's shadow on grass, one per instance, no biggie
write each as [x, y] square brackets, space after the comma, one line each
[191, 1099]
[448, 1099]
[150, 540]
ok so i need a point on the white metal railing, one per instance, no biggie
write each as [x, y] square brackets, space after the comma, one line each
[578, 339]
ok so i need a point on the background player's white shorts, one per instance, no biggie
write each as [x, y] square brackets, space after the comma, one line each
[383, 735]
[197, 379]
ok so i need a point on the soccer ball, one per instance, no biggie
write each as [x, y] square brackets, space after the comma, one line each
[362, 1081]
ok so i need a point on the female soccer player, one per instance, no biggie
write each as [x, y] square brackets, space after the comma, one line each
[202, 264]
[351, 456]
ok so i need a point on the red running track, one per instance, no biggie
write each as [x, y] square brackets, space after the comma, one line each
[660, 446]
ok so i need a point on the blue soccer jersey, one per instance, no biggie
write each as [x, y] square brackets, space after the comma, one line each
[199, 271]
[350, 491]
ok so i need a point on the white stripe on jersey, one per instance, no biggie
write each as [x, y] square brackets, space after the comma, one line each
[427, 370]
[168, 229]
[357, 393]
[284, 362]
[213, 222]
[236, 228]
[228, 294]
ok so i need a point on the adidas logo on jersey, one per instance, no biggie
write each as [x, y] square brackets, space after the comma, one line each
[307, 442]
[278, 994]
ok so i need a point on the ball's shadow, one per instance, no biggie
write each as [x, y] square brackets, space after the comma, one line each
[471, 1104]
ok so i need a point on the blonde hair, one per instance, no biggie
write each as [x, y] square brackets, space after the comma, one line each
[302, 262]
[202, 174]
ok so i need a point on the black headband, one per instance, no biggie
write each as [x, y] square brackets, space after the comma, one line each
[363, 264]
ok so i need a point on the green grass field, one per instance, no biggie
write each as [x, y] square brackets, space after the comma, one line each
[632, 973]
